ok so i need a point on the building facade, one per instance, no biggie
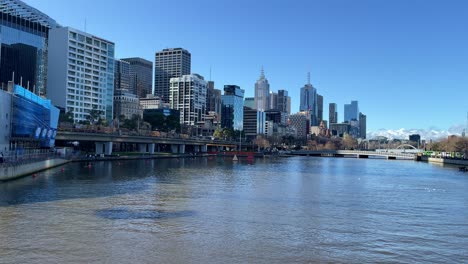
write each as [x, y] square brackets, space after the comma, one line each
[170, 63]
[152, 102]
[351, 111]
[213, 100]
[140, 76]
[309, 102]
[332, 113]
[121, 75]
[300, 124]
[284, 101]
[24, 37]
[362, 126]
[232, 107]
[319, 108]
[188, 95]
[250, 102]
[262, 93]
[81, 73]
[273, 100]
[126, 104]
[254, 123]
[340, 129]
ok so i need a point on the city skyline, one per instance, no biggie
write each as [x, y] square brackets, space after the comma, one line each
[395, 68]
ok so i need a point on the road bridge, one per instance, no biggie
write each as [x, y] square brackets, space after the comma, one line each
[104, 142]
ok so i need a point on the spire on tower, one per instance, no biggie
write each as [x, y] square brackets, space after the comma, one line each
[262, 74]
[308, 78]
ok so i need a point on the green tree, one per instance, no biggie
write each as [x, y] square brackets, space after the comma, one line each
[66, 117]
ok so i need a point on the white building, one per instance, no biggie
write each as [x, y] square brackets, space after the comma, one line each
[262, 93]
[81, 72]
[188, 95]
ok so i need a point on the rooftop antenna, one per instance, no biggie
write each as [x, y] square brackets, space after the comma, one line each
[262, 73]
[308, 77]
[85, 25]
[210, 73]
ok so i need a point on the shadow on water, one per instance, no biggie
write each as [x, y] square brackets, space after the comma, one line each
[124, 214]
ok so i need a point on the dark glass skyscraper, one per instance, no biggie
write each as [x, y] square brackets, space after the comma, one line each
[24, 33]
[232, 107]
[122, 75]
[332, 113]
[170, 63]
[351, 111]
[141, 76]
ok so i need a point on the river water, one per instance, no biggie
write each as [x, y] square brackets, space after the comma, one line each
[212, 210]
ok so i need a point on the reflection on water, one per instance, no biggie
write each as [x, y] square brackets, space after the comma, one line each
[212, 210]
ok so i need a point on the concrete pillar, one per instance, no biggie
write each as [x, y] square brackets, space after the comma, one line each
[108, 148]
[196, 148]
[99, 147]
[204, 148]
[182, 149]
[158, 148]
[151, 148]
[142, 148]
[174, 148]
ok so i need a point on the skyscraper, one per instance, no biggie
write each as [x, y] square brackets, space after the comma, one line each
[232, 107]
[351, 111]
[319, 108]
[284, 101]
[188, 95]
[81, 73]
[249, 102]
[262, 93]
[213, 99]
[362, 125]
[332, 113]
[141, 76]
[24, 38]
[309, 102]
[169, 63]
[122, 75]
[273, 100]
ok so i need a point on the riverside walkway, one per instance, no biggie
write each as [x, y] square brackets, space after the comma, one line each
[355, 154]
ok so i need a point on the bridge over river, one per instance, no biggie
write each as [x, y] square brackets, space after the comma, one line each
[356, 154]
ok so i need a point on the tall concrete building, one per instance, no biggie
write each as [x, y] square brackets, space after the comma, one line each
[300, 124]
[309, 102]
[170, 63]
[319, 108]
[141, 76]
[122, 75]
[362, 125]
[126, 104]
[232, 107]
[332, 113]
[351, 111]
[24, 38]
[81, 73]
[262, 93]
[188, 95]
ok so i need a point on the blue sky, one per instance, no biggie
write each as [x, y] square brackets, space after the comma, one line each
[406, 62]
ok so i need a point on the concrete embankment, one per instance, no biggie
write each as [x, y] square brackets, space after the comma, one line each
[15, 171]
[459, 162]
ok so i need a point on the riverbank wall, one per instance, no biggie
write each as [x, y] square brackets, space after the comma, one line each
[16, 171]
[459, 162]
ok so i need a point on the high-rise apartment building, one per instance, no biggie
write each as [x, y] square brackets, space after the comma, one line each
[141, 76]
[351, 111]
[122, 75]
[169, 63]
[188, 95]
[332, 113]
[81, 73]
[24, 38]
[319, 108]
[232, 107]
[309, 102]
[300, 124]
[262, 93]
